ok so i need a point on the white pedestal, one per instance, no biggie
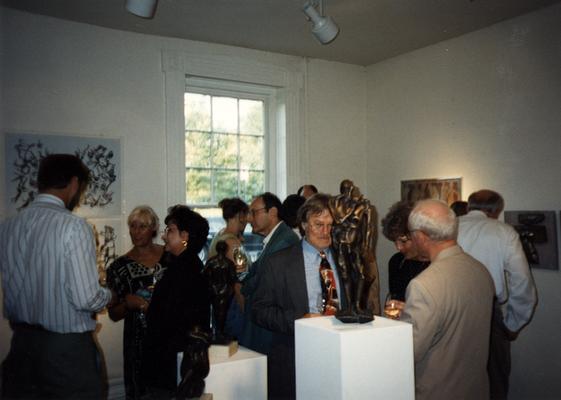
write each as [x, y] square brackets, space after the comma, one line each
[242, 376]
[354, 361]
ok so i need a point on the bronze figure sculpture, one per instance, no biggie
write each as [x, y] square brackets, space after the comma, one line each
[220, 272]
[354, 239]
[195, 365]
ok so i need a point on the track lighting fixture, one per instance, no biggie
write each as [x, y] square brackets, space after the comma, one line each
[325, 29]
[142, 8]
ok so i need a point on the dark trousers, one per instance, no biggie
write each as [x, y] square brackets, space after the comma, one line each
[281, 370]
[48, 365]
[498, 364]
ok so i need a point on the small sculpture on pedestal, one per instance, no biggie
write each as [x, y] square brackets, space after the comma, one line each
[195, 365]
[220, 272]
[354, 237]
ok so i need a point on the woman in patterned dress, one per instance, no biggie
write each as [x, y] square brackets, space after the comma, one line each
[133, 276]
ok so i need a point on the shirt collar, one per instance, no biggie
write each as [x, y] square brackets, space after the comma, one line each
[309, 249]
[50, 199]
[270, 235]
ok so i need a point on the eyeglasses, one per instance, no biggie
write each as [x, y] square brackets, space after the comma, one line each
[167, 230]
[255, 211]
[320, 227]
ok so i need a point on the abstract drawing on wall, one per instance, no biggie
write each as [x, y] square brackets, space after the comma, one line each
[101, 155]
[538, 234]
[448, 190]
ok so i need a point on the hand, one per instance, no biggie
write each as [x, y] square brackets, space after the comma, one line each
[393, 308]
[135, 303]
[312, 315]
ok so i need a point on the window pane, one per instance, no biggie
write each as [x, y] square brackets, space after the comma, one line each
[225, 184]
[225, 114]
[198, 186]
[251, 117]
[197, 111]
[252, 183]
[251, 152]
[197, 149]
[224, 151]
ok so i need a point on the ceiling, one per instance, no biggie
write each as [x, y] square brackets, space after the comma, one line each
[371, 30]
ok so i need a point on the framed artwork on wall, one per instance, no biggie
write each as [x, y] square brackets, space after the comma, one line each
[101, 204]
[538, 234]
[445, 189]
[101, 155]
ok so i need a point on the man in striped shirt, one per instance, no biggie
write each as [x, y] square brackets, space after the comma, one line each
[51, 290]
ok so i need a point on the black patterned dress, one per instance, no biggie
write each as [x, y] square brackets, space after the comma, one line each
[126, 276]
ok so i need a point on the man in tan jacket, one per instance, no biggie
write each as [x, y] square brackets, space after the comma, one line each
[450, 305]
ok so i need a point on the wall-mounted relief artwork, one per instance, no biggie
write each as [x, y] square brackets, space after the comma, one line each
[102, 200]
[446, 189]
[101, 155]
[538, 234]
[108, 242]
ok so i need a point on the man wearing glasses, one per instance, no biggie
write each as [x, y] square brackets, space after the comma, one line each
[300, 281]
[265, 217]
[450, 305]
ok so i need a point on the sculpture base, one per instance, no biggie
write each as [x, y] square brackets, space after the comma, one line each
[222, 339]
[354, 317]
[222, 351]
[338, 361]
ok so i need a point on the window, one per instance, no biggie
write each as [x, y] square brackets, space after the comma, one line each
[227, 132]
[224, 147]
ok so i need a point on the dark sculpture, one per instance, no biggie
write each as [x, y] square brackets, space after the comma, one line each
[220, 272]
[195, 365]
[354, 236]
[532, 232]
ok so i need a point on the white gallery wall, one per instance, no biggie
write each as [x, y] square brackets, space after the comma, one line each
[485, 107]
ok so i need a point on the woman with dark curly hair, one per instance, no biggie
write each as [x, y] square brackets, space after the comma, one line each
[406, 264]
[180, 306]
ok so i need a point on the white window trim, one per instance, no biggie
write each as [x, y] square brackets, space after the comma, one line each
[288, 143]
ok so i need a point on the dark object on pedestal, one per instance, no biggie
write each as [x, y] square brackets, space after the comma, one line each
[220, 272]
[195, 365]
[354, 236]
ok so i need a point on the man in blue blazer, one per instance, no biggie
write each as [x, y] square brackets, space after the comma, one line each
[265, 217]
[291, 287]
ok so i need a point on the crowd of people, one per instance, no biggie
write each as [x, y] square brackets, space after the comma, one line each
[463, 282]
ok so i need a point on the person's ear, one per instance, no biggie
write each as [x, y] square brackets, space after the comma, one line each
[273, 211]
[74, 183]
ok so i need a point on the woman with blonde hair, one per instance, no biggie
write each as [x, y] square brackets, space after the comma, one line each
[133, 276]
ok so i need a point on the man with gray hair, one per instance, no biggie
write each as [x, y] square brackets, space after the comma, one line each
[450, 305]
[497, 245]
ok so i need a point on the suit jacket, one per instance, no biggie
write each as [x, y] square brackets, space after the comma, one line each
[280, 299]
[450, 306]
[253, 336]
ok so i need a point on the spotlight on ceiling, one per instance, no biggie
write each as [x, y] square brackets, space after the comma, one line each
[142, 8]
[325, 29]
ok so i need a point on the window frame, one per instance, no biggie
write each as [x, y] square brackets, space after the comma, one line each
[286, 78]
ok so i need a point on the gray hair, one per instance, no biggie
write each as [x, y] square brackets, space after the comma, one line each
[435, 219]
